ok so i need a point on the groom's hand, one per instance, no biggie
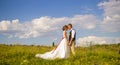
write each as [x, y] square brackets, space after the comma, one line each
[70, 44]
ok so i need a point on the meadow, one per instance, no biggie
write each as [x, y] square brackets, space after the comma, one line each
[93, 55]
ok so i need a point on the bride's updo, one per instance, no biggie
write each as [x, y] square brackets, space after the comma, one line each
[64, 27]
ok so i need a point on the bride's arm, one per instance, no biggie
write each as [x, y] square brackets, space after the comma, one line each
[65, 35]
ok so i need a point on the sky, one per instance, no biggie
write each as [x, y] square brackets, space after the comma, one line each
[39, 22]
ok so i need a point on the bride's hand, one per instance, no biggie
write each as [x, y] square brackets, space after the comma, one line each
[68, 44]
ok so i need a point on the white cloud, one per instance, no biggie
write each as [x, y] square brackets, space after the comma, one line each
[43, 25]
[85, 21]
[4, 24]
[111, 7]
[93, 40]
[111, 21]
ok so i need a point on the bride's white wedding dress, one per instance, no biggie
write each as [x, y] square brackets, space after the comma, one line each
[61, 51]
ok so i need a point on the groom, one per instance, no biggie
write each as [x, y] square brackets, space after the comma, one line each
[72, 38]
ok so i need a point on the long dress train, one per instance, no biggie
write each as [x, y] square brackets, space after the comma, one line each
[61, 51]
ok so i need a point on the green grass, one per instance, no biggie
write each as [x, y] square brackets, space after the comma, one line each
[94, 55]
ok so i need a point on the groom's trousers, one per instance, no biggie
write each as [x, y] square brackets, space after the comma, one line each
[73, 47]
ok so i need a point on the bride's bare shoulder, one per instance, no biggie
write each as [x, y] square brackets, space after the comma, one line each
[64, 31]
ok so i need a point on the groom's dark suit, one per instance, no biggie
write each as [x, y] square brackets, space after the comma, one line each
[72, 34]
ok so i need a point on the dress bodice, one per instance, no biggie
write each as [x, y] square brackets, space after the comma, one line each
[64, 32]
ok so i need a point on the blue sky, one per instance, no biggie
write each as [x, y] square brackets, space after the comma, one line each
[26, 10]
[40, 21]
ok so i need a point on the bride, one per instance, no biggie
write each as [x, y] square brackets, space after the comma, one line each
[62, 50]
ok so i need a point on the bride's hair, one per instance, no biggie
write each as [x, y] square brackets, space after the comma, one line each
[64, 27]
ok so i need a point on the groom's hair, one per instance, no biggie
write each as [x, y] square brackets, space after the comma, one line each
[70, 25]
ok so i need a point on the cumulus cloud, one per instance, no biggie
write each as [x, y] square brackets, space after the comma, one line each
[85, 21]
[111, 7]
[111, 14]
[93, 40]
[109, 23]
[43, 25]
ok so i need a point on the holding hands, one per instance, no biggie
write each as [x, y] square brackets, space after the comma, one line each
[69, 44]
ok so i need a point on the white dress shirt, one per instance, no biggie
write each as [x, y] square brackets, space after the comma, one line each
[73, 33]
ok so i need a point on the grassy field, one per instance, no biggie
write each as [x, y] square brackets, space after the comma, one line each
[94, 55]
